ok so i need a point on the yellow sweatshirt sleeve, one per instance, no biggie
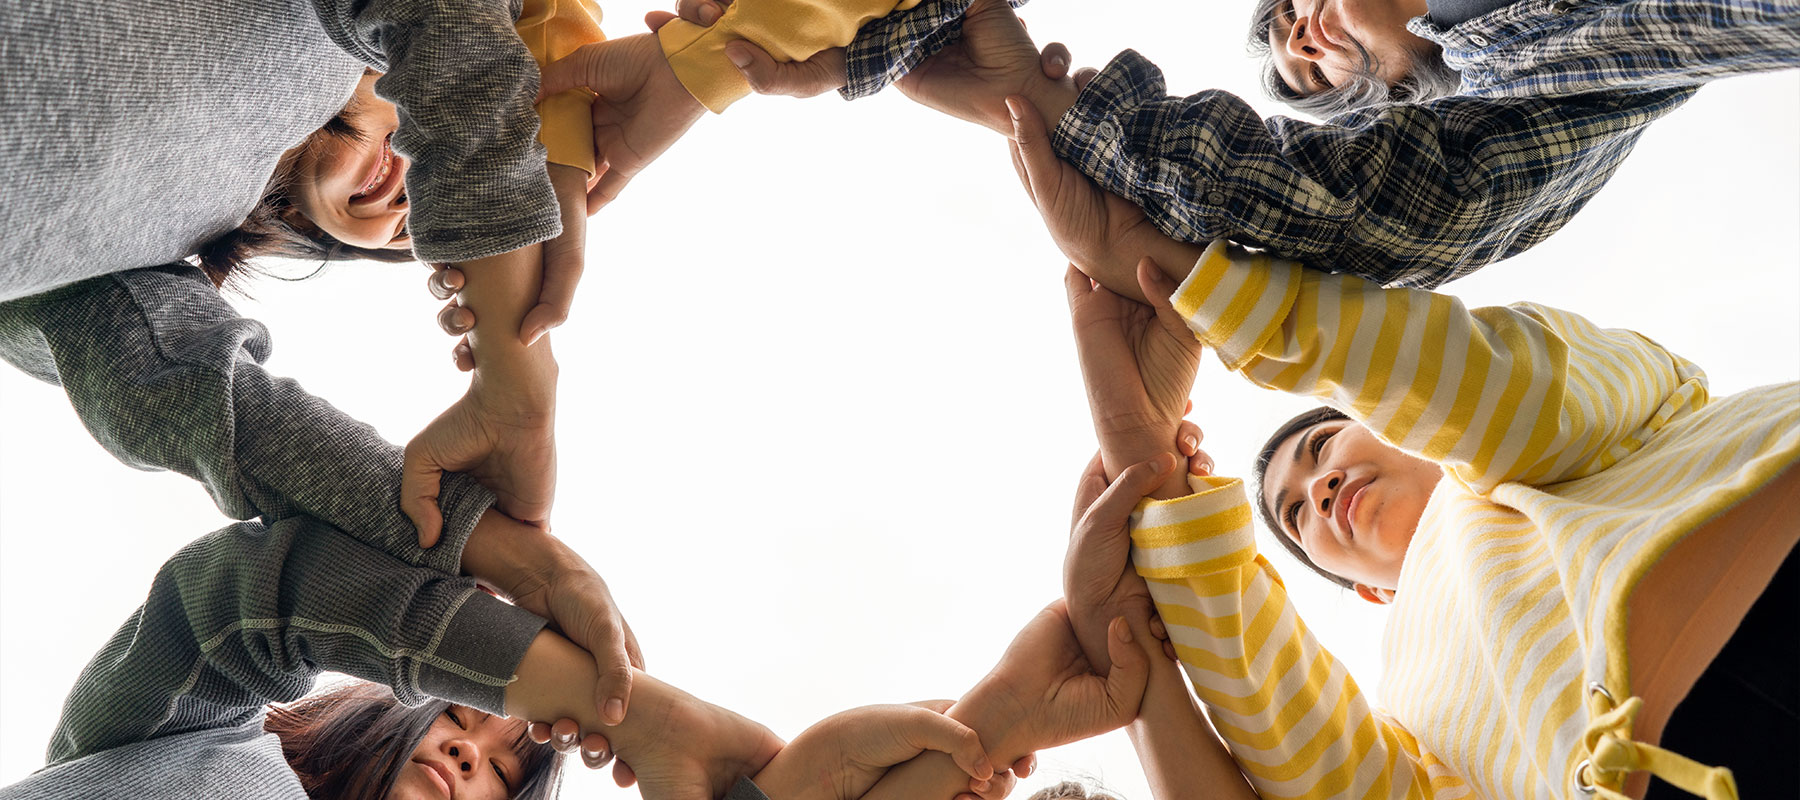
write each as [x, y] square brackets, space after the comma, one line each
[1293, 718]
[1515, 393]
[791, 30]
[552, 29]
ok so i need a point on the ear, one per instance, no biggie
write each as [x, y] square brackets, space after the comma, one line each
[1380, 597]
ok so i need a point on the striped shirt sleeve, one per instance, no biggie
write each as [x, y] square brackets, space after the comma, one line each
[1294, 719]
[1515, 393]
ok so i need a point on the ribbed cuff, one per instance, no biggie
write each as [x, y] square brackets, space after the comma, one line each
[744, 789]
[1235, 300]
[478, 652]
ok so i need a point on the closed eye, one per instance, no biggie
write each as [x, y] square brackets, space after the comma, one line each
[1318, 76]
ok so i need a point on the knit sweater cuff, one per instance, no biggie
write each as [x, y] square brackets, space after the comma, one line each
[478, 651]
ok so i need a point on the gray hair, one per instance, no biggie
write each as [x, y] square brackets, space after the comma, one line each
[1069, 790]
[1427, 76]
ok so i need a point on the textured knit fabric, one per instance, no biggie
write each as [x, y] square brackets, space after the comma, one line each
[167, 376]
[790, 30]
[744, 789]
[1410, 195]
[1574, 458]
[172, 706]
[146, 129]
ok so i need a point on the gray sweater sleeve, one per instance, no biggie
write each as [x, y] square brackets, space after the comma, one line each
[744, 789]
[167, 376]
[249, 614]
[463, 84]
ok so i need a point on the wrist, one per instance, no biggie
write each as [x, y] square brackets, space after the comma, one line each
[513, 558]
[1053, 99]
[999, 718]
[518, 386]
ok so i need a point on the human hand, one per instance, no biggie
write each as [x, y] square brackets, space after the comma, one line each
[500, 433]
[699, 751]
[843, 755]
[994, 59]
[1099, 582]
[564, 736]
[1102, 233]
[821, 73]
[568, 592]
[1049, 691]
[1137, 361]
[641, 108]
[562, 260]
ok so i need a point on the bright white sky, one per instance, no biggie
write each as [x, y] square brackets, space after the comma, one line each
[821, 417]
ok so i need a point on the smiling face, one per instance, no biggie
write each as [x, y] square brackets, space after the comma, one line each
[1350, 500]
[466, 755]
[353, 187]
[1319, 45]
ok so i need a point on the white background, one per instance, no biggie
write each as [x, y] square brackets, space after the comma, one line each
[820, 413]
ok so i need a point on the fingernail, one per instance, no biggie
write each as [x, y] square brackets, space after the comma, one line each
[1193, 442]
[738, 57]
[709, 14]
[1012, 107]
[615, 711]
[980, 786]
[566, 738]
[1124, 631]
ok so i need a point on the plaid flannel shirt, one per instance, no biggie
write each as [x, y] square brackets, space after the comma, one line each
[1410, 195]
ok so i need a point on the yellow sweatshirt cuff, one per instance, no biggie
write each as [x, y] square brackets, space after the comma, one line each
[567, 129]
[1235, 300]
[1205, 532]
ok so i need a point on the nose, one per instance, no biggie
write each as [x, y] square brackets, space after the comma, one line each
[1301, 41]
[1322, 493]
[465, 754]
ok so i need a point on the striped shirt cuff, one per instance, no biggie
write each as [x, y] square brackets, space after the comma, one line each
[1235, 301]
[1207, 532]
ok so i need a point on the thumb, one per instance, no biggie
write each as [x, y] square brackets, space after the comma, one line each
[923, 729]
[656, 19]
[575, 70]
[1033, 141]
[613, 694]
[1134, 484]
[419, 476]
[1130, 672]
[1158, 288]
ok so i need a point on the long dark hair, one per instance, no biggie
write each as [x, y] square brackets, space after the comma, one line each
[350, 743]
[1427, 76]
[275, 226]
[1287, 429]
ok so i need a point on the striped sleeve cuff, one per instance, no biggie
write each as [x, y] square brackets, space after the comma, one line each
[1209, 531]
[1235, 301]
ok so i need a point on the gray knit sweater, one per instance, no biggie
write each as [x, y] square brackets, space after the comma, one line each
[172, 706]
[167, 376]
[131, 133]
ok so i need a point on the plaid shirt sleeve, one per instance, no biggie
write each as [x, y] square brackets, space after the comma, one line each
[888, 48]
[1560, 47]
[1406, 195]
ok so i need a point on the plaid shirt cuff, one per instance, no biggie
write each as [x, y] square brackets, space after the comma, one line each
[888, 48]
[1091, 135]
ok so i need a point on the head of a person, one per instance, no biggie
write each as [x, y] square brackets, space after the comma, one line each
[1069, 790]
[357, 742]
[1342, 501]
[339, 194]
[1326, 57]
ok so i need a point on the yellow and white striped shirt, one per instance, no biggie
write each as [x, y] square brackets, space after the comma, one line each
[1577, 456]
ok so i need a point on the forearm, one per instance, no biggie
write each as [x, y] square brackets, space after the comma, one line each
[512, 557]
[1181, 755]
[499, 290]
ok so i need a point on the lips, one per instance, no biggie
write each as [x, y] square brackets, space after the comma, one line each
[1346, 507]
[380, 172]
[440, 774]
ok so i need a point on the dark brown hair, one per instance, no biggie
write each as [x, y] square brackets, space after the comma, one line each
[350, 743]
[1427, 76]
[1287, 429]
[275, 227]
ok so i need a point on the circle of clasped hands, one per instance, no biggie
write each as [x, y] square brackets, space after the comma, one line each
[1076, 670]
